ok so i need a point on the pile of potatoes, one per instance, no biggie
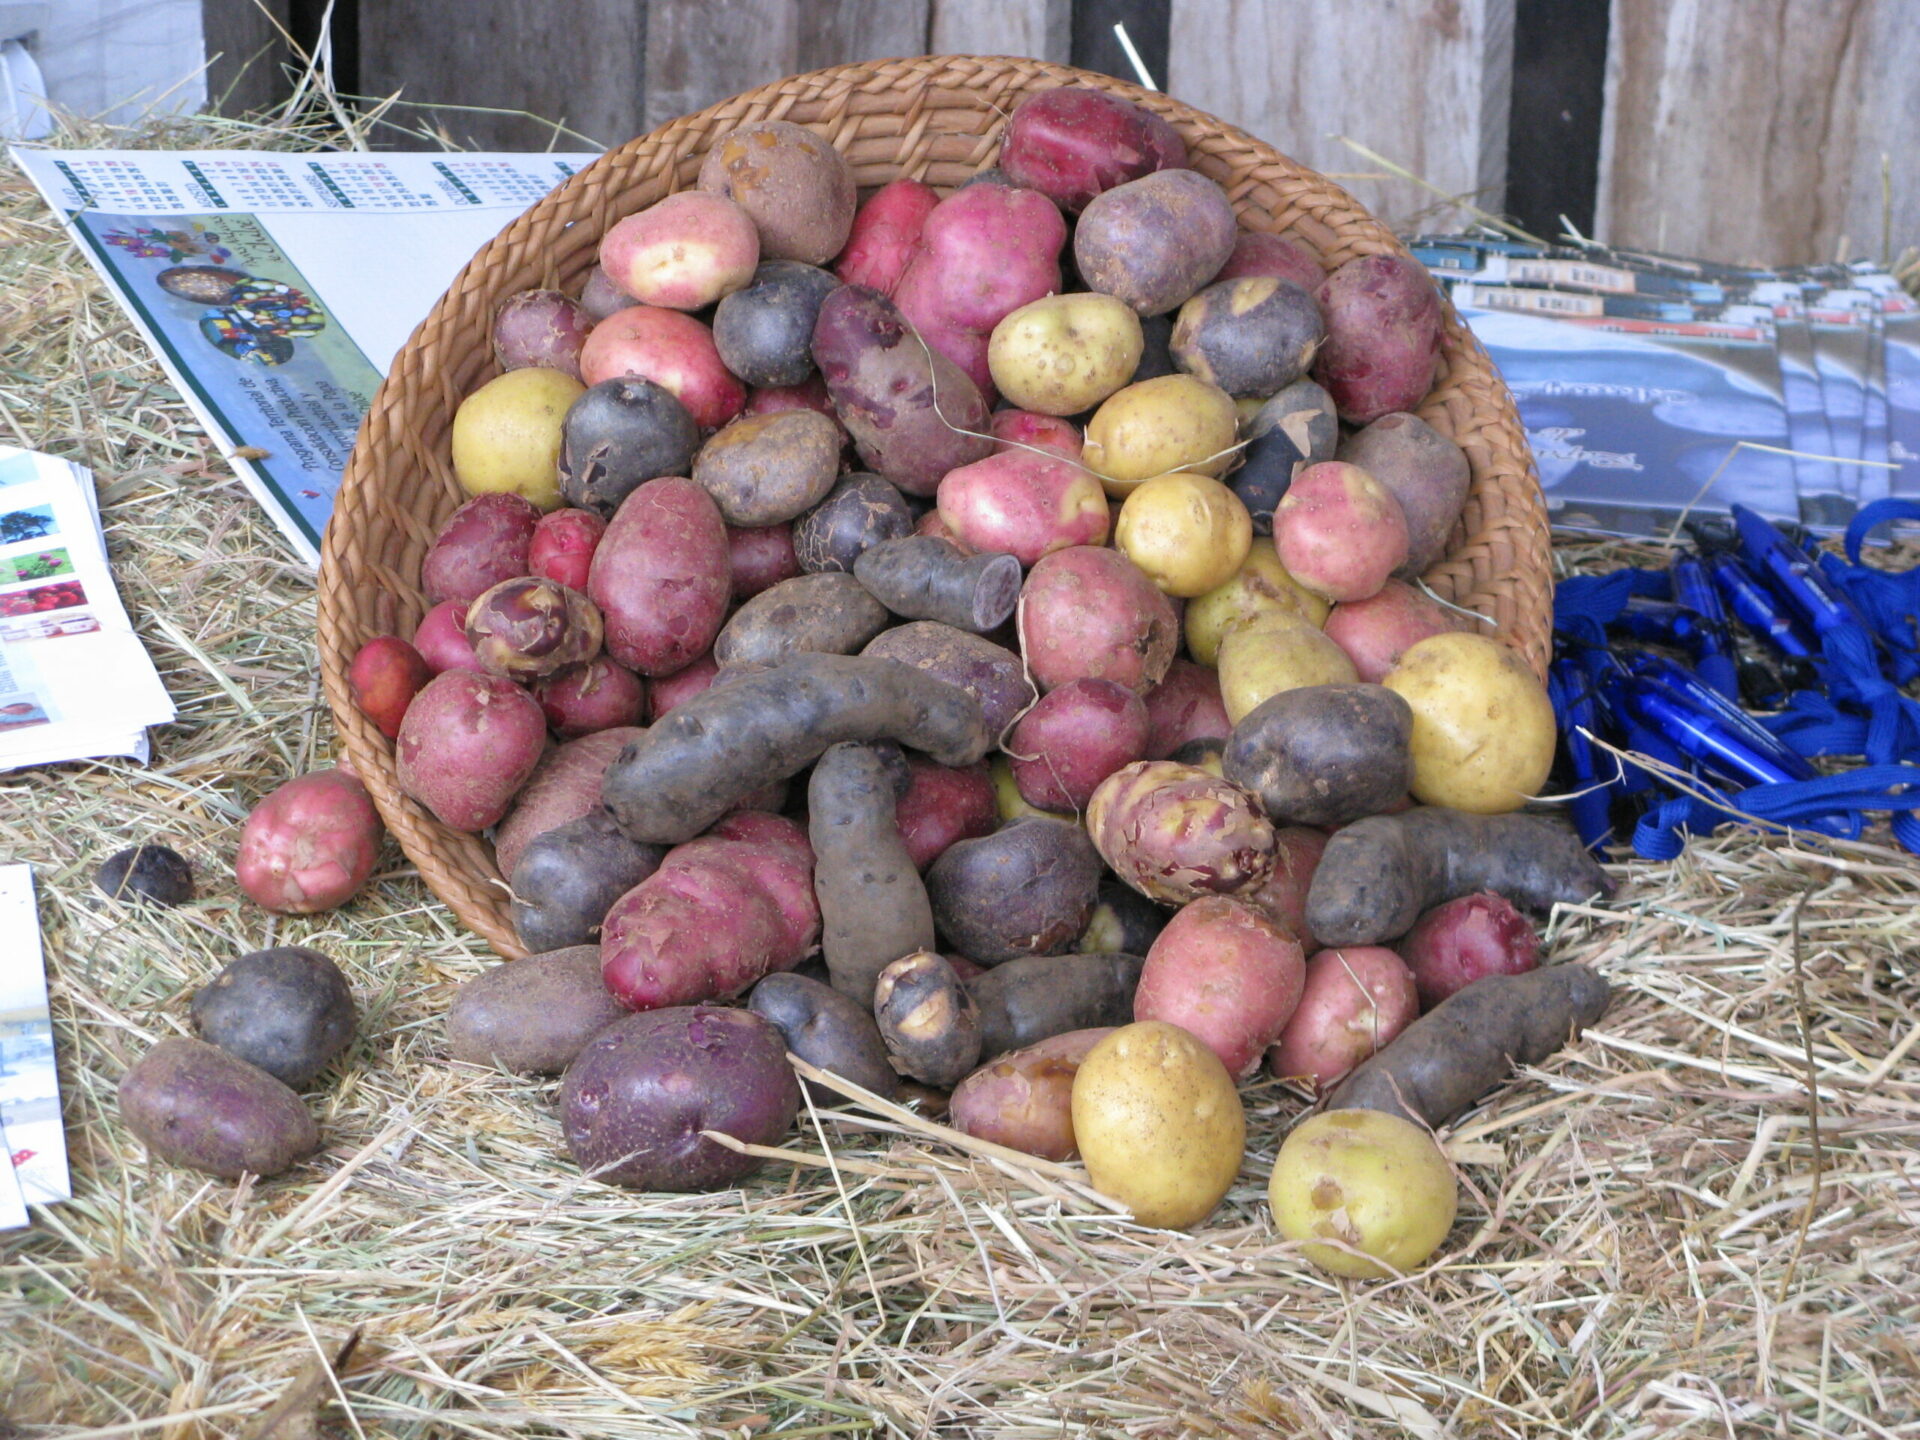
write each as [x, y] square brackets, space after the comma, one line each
[983, 632]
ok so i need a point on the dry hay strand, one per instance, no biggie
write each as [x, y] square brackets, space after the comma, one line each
[1649, 1242]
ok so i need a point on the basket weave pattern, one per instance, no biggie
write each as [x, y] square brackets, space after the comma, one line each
[937, 119]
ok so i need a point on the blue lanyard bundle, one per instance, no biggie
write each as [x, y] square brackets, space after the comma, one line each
[1819, 645]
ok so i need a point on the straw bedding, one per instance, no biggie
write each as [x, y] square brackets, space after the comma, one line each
[1699, 1221]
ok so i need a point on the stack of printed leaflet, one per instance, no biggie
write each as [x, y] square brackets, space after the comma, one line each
[75, 681]
[30, 1129]
[1652, 385]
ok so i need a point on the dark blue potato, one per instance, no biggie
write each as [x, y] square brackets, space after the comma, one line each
[1026, 1001]
[858, 513]
[568, 877]
[1296, 427]
[1124, 920]
[764, 331]
[617, 436]
[1026, 889]
[1324, 754]
[992, 674]
[1253, 336]
[635, 1100]
[1156, 351]
[929, 1022]
[147, 872]
[828, 1030]
[287, 1010]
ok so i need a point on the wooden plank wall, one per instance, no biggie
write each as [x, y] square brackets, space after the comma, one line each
[1754, 132]
[1424, 83]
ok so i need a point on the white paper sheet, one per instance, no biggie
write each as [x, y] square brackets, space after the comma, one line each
[29, 1084]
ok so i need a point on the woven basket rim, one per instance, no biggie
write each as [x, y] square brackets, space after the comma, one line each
[1503, 563]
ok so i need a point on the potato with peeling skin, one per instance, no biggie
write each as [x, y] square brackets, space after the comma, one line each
[1159, 1124]
[927, 1019]
[1176, 833]
[1368, 1195]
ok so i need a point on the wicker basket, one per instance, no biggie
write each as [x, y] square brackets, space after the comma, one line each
[937, 118]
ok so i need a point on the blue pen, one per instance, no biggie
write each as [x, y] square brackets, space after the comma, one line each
[1756, 608]
[1657, 622]
[1794, 576]
[1712, 645]
[1702, 724]
[1591, 804]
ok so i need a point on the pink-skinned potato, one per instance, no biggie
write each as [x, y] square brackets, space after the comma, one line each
[385, 675]
[671, 690]
[1376, 631]
[662, 576]
[1465, 940]
[540, 327]
[1184, 706]
[1384, 328]
[441, 638]
[1283, 895]
[599, 695]
[886, 231]
[467, 745]
[913, 414]
[1176, 833]
[1356, 999]
[1025, 505]
[1072, 143]
[944, 805]
[310, 845]
[1155, 242]
[782, 860]
[1012, 429]
[682, 252]
[1091, 613]
[563, 544]
[1073, 738]
[1339, 532]
[1024, 1099]
[1259, 253]
[1421, 468]
[487, 540]
[762, 556]
[1226, 973]
[564, 786]
[674, 351]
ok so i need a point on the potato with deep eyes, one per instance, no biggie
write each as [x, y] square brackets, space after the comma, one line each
[929, 1022]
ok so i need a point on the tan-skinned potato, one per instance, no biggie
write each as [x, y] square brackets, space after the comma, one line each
[1063, 354]
[1188, 533]
[1483, 730]
[1274, 653]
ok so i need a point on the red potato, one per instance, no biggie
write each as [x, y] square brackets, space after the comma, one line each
[564, 787]
[1024, 1099]
[563, 544]
[385, 675]
[931, 524]
[1338, 532]
[1258, 253]
[1091, 613]
[485, 541]
[1421, 468]
[310, 845]
[1024, 505]
[674, 351]
[762, 557]
[944, 805]
[662, 576]
[441, 639]
[783, 863]
[682, 252]
[600, 297]
[1383, 336]
[1283, 895]
[809, 394]
[1077, 735]
[885, 232]
[1465, 940]
[985, 251]
[1072, 143]
[670, 690]
[1226, 973]
[598, 695]
[1354, 1002]
[467, 745]
[1376, 631]
[1184, 706]
[1014, 428]
[540, 327]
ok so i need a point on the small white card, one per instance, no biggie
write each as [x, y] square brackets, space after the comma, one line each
[29, 1083]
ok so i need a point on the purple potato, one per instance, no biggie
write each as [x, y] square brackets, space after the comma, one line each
[991, 673]
[540, 328]
[859, 512]
[196, 1105]
[532, 1016]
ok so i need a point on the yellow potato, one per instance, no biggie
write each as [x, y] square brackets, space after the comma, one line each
[1065, 353]
[1276, 652]
[1483, 731]
[1008, 800]
[1158, 1123]
[1261, 586]
[1172, 422]
[506, 435]
[1188, 533]
[1369, 1181]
